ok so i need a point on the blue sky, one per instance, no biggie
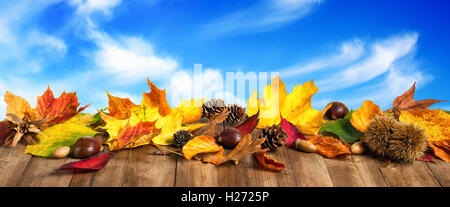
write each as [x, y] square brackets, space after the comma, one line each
[353, 50]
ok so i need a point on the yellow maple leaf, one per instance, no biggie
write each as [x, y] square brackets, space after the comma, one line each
[294, 107]
[19, 106]
[191, 111]
[168, 125]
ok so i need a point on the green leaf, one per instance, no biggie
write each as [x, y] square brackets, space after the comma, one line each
[343, 129]
[63, 134]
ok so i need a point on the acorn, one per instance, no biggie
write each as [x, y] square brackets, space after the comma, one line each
[336, 111]
[86, 147]
[357, 148]
[61, 152]
[230, 137]
[304, 146]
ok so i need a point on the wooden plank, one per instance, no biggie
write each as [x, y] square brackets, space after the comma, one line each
[42, 172]
[112, 175]
[147, 170]
[190, 173]
[441, 171]
[354, 171]
[401, 174]
[12, 164]
[308, 168]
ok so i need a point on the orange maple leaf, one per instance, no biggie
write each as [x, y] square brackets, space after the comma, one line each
[57, 110]
[157, 98]
[119, 108]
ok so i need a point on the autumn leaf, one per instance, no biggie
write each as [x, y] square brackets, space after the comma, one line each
[157, 98]
[5, 132]
[20, 107]
[63, 134]
[56, 110]
[294, 107]
[436, 124]
[360, 118]
[406, 102]
[89, 164]
[249, 125]
[135, 136]
[119, 108]
[343, 129]
[168, 125]
[329, 147]
[191, 111]
[441, 149]
[291, 131]
[244, 148]
[198, 145]
[208, 129]
[268, 162]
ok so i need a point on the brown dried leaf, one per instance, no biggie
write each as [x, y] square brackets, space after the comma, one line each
[406, 102]
[242, 149]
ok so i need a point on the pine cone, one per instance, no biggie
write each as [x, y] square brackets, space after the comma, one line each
[180, 138]
[211, 107]
[275, 137]
[237, 113]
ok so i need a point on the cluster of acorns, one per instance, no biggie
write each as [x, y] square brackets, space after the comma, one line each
[274, 135]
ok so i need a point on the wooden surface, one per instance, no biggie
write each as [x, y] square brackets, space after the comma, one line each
[138, 167]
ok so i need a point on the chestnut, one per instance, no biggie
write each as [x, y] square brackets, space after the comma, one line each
[86, 147]
[229, 137]
[336, 111]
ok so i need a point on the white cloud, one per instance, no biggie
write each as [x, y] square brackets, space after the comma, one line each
[86, 7]
[265, 15]
[348, 53]
[130, 59]
[50, 44]
[384, 54]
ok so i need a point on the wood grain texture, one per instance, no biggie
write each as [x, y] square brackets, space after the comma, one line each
[42, 172]
[401, 174]
[354, 171]
[441, 171]
[147, 170]
[138, 167]
[12, 164]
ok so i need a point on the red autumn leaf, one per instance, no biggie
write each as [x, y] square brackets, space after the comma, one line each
[291, 131]
[406, 101]
[427, 157]
[131, 136]
[5, 132]
[60, 109]
[268, 162]
[89, 164]
[250, 124]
